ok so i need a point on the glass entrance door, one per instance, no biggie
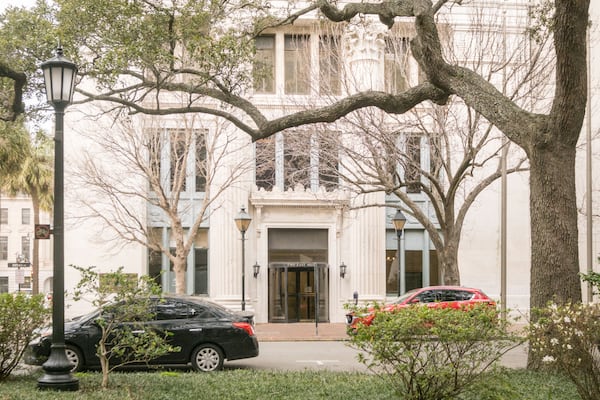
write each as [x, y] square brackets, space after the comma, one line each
[295, 290]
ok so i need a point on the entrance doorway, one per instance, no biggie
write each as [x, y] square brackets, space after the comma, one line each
[298, 292]
[298, 275]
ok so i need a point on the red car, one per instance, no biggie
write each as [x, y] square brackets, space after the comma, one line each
[432, 296]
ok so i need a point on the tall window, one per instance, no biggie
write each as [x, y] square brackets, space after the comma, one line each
[201, 167]
[25, 247]
[413, 269]
[201, 271]
[297, 64]
[413, 264]
[3, 284]
[182, 144]
[297, 158]
[396, 64]
[328, 161]
[4, 216]
[265, 163]
[298, 75]
[330, 65]
[155, 147]
[155, 266]
[158, 263]
[436, 153]
[3, 247]
[179, 141]
[201, 262]
[392, 269]
[412, 167]
[264, 65]
[26, 216]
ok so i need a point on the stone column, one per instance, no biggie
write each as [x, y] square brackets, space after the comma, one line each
[364, 46]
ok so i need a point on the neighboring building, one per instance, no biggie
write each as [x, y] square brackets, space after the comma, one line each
[314, 246]
[16, 246]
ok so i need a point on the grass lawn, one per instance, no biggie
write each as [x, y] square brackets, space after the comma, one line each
[507, 384]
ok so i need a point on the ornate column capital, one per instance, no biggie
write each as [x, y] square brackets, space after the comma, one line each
[365, 42]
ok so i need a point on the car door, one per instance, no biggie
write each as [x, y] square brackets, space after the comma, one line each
[455, 298]
[187, 324]
[86, 337]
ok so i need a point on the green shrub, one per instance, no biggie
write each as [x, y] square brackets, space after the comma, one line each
[20, 315]
[433, 353]
[593, 278]
[126, 301]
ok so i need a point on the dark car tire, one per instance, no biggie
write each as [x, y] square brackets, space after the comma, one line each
[207, 358]
[75, 357]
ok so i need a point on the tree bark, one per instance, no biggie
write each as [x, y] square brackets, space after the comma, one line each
[449, 272]
[179, 267]
[554, 256]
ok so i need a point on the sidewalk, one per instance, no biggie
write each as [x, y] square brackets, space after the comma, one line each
[301, 331]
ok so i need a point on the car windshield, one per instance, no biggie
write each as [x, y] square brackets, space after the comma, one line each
[84, 317]
[404, 297]
[224, 311]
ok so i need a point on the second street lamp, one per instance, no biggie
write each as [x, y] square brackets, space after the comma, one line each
[59, 77]
[242, 222]
[399, 221]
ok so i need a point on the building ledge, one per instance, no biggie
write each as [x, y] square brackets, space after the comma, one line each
[299, 197]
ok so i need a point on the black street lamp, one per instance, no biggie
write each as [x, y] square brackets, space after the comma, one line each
[399, 221]
[59, 77]
[243, 222]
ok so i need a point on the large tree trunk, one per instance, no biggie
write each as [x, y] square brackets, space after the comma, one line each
[449, 273]
[179, 267]
[554, 249]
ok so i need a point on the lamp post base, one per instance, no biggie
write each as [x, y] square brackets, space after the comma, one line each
[57, 374]
[61, 383]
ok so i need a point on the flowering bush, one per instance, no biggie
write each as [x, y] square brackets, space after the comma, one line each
[567, 337]
[432, 353]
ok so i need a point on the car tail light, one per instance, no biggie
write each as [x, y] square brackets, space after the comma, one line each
[245, 326]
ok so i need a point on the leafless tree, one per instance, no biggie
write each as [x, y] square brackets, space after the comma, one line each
[131, 75]
[177, 171]
[449, 154]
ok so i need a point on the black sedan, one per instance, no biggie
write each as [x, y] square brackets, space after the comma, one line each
[206, 334]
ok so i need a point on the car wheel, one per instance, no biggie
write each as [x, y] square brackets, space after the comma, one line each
[207, 358]
[75, 358]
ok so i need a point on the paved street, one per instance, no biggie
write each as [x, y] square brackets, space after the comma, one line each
[329, 355]
[298, 356]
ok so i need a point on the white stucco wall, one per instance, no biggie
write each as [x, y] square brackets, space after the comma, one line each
[358, 240]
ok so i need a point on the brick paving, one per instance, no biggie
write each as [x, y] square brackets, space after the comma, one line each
[300, 331]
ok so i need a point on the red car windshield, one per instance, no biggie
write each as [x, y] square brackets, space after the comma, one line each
[405, 296]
